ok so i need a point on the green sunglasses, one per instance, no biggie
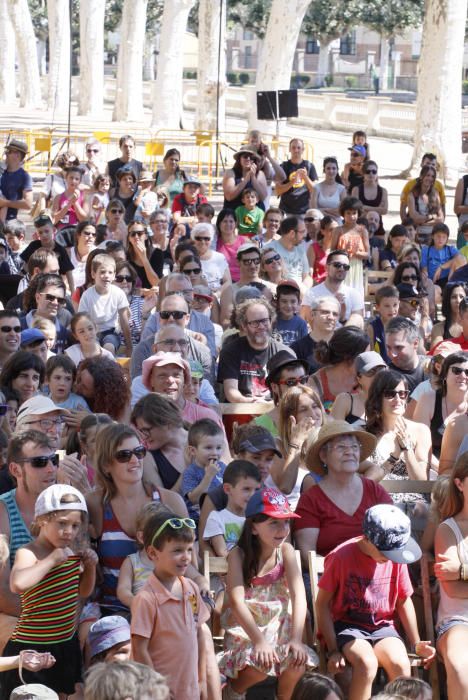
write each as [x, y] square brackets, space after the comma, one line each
[176, 524]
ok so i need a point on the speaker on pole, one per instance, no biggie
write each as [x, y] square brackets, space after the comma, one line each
[287, 100]
[267, 105]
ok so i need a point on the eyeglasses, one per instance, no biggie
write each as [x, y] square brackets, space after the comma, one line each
[176, 315]
[116, 211]
[355, 155]
[294, 381]
[53, 297]
[193, 271]
[251, 261]
[340, 266]
[206, 239]
[176, 524]
[458, 370]
[275, 258]
[41, 462]
[123, 456]
[8, 329]
[309, 219]
[47, 423]
[182, 343]
[159, 221]
[409, 278]
[393, 393]
[92, 150]
[258, 322]
[139, 233]
[370, 172]
[123, 278]
[342, 446]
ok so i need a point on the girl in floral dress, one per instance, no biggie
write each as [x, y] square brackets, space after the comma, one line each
[266, 604]
[354, 239]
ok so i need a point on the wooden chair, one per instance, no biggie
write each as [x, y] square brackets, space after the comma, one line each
[427, 568]
[373, 279]
[214, 565]
[423, 487]
[240, 413]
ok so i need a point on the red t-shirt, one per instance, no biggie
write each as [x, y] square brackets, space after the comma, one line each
[186, 208]
[318, 511]
[461, 341]
[365, 592]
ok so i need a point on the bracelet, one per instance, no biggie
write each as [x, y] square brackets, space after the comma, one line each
[293, 445]
[463, 572]
[392, 459]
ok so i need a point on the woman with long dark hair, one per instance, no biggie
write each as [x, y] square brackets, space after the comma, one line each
[23, 373]
[328, 194]
[244, 174]
[228, 240]
[171, 176]
[424, 205]
[450, 327]
[84, 243]
[146, 260]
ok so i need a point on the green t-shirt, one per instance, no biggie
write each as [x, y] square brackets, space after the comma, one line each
[248, 221]
[266, 422]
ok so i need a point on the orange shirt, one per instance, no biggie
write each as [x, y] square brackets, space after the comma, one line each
[171, 626]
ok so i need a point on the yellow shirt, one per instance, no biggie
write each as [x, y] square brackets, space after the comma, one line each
[411, 183]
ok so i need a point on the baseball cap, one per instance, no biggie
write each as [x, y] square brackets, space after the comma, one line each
[17, 145]
[389, 529]
[203, 292]
[287, 283]
[367, 361]
[269, 502]
[43, 218]
[161, 359]
[31, 335]
[245, 247]
[36, 406]
[359, 149]
[51, 499]
[196, 369]
[248, 291]
[107, 632]
[192, 181]
[260, 442]
[407, 291]
[145, 176]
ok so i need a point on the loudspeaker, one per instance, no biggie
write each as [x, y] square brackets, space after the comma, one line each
[266, 105]
[287, 100]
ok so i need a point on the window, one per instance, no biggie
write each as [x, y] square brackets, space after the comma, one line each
[248, 57]
[312, 46]
[348, 44]
[248, 35]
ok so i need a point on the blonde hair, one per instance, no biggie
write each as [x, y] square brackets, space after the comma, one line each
[144, 515]
[454, 501]
[289, 406]
[41, 520]
[108, 440]
[440, 492]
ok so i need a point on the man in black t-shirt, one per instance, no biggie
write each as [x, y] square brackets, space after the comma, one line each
[324, 315]
[46, 231]
[296, 189]
[402, 341]
[127, 146]
[243, 360]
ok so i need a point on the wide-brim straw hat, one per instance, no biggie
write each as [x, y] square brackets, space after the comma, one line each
[337, 428]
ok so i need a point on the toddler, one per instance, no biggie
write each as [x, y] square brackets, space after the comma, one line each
[109, 640]
[146, 199]
[68, 207]
[60, 377]
[360, 139]
[249, 216]
[99, 199]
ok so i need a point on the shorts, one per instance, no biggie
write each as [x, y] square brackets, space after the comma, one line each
[448, 624]
[109, 336]
[61, 677]
[346, 633]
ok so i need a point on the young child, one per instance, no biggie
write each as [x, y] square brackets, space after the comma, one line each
[109, 640]
[354, 239]
[289, 324]
[60, 377]
[223, 527]
[387, 303]
[50, 574]
[249, 216]
[204, 213]
[168, 613]
[365, 587]
[266, 603]
[137, 567]
[68, 207]
[107, 305]
[360, 139]
[409, 688]
[146, 199]
[438, 257]
[47, 327]
[84, 330]
[99, 199]
[205, 447]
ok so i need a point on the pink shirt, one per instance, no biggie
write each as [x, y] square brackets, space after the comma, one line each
[229, 250]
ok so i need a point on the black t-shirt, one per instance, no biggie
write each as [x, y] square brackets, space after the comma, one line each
[412, 376]
[156, 261]
[238, 360]
[65, 264]
[114, 165]
[304, 349]
[296, 200]
[460, 275]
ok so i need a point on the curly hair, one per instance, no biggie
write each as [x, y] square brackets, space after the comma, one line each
[111, 391]
[383, 381]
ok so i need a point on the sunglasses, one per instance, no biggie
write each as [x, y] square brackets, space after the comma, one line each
[8, 329]
[412, 302]
[53, 297]
[251, 261]
[409, 278]
[41, 462]
[275, 258]
[193, 271]
[123, 278]
[116, 211]
[258, 322]
[203, 238]
[91, 234]
[294, 381]
[123, 456]
[371, 172]
[458, 370]
[309, 219]
[176, 524]
[176, 315]
[4, 408]
[92, 150]
[393, 393]
[139, 233]
[341, 266]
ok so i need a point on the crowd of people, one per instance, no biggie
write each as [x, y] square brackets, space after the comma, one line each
[136, 320]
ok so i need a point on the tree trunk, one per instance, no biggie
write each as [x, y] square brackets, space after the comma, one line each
[7, 56]
[167, 90]
[91, 94]
[207, 77]
[323, 62]
[438, 107]
[29, 84]
[59, 55]
[277, 56]
[129, 87]
[384, 52]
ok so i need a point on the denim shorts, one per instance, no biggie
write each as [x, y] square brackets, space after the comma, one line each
[448, 624]
[109, 336]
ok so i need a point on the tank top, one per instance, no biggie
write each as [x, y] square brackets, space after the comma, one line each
[352, 418]
[354, 179]
[141, 572]
[370, 202]
[437, 425]
[320, 381]
[454, 607]
[167, 472]
[320, 264]
[328, 201]
[19, 533]
[48, 609]
[70, 218]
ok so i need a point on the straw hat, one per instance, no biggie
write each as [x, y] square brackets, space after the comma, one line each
[336, 428]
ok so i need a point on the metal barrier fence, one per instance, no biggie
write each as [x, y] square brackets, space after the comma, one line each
[201, 154]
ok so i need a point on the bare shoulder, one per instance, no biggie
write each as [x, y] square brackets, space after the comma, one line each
[173, 501]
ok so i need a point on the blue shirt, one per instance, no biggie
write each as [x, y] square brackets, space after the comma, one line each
[291, 330]
[192, 478]
[13, 185]
[432, 258]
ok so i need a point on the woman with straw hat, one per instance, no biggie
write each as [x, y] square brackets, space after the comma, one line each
[333, 510]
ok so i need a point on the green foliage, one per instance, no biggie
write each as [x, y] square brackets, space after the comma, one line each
[232, 77]
[190, 74]
[244, 78]
[38, 10]
[329, 20]
[300, 80]
[252, 15]
[391, 17]
[465, 87]
[328, 80]
[113, 15]
[351, 81]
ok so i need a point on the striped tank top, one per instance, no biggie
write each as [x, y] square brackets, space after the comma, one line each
[19, 533]
[49, 609]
